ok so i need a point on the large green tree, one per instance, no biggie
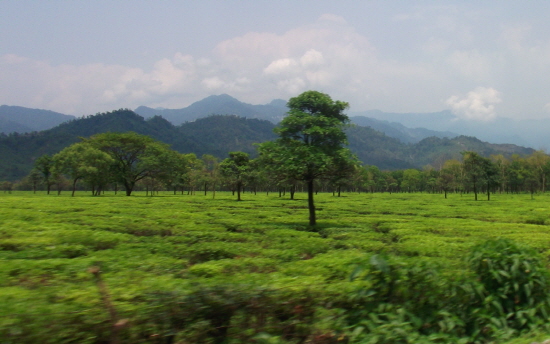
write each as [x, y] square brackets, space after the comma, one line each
[135, 156]
[311, 143]
[82, 161]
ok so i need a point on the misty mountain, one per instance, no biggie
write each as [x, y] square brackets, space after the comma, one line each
[218, 105]
[218, 135]
[274, 112]
[406, 127]
[20, 119]
[399, 131]
[527, 132]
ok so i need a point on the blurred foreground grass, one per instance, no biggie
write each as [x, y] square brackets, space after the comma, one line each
[178, 243]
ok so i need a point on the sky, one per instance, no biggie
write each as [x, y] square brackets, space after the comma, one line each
[479, 59]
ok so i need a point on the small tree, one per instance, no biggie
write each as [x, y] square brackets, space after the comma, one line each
[34, 178]
[311, 142]
[7, 186]
[235, 170]
[44, 165]
[479, 170]
[473, 168]
[210, 173]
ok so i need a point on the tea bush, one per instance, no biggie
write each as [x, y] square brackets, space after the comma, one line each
[169, 262]
[506, 292]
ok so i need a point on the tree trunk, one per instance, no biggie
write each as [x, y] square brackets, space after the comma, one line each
[475, 190]
[238, 191]
[74, 187]
[128, 188]
[310, 204]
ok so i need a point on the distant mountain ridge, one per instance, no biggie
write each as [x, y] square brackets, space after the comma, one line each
[20, 119]
[409, 128]
[527, 132]
[218, 105]
[274, 112]
[399, 131]
[218, 135]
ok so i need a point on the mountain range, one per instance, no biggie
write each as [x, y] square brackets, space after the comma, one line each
[526, 132]
[406, 127]
[220, 134]
[20, 119]
[218, 105]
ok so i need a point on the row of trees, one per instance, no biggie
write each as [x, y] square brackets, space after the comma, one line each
[113, 159]
[310, 147]
[83, 166]
[310, 153]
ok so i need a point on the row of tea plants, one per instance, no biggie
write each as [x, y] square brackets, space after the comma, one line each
[379, 268]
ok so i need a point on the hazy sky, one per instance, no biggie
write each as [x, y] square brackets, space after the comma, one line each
[481, 59]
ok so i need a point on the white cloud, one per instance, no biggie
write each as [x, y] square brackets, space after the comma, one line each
[312, 58]
[92, 88]
[478, 105]
[292, 86]
[446, 52]
[213, 83]
[281, 66]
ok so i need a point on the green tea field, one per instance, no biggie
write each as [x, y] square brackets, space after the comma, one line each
[193, 269]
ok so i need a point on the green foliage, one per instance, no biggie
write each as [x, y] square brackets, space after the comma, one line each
[135, 157]
[235, 170]
[311, 143]
[172, 262]
[414, 302]
[515, 281]
[217, 135]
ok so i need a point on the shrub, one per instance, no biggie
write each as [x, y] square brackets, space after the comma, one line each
[515, 282]
[399, 301]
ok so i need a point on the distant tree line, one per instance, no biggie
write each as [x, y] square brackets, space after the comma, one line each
[83, 166]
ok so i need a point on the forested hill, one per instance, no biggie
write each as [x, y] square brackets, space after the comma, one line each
[218, 135]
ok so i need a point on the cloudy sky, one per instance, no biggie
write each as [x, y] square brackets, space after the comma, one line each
[480, 59]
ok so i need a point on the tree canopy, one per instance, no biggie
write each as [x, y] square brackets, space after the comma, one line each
[311, 142]
[135, 156]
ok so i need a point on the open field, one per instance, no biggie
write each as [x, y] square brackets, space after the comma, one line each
[153, 248]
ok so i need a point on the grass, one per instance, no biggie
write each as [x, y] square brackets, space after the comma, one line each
[175, 242]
